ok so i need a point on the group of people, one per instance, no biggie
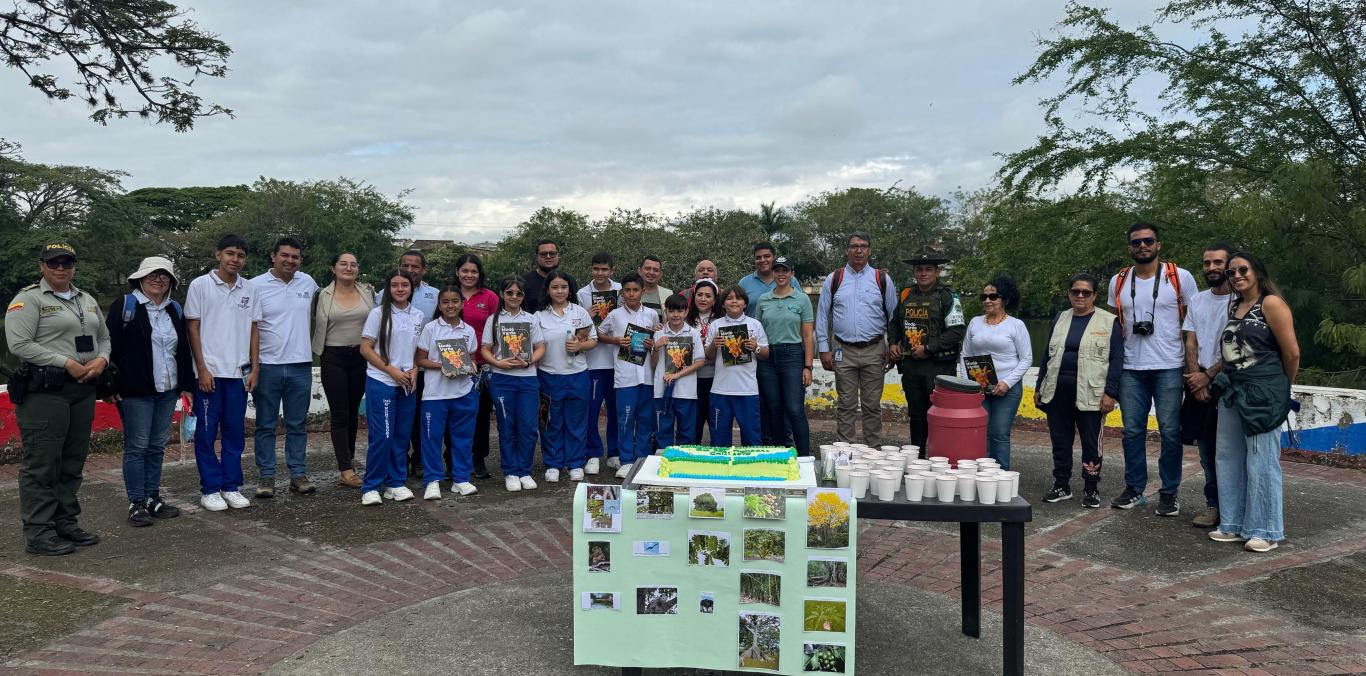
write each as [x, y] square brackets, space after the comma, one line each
[543, 357]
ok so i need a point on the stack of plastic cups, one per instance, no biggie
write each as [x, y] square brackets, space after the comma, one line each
[911, 450]
[915, 486]
[858, 482]
[1008, 478]
[888, 449]
[987, 485]
[842, 476]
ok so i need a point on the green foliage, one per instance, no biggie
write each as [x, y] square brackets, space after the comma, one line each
[179, 209]
[764, 544]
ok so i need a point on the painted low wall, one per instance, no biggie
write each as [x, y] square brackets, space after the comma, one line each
[1331, 420]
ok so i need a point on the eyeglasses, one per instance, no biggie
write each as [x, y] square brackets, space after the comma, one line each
[157, 277]
[1081, 293]
[513, 293]
[858, 247]
[1240, 271]
[61, 263]
[990, 296]
[1142, 241]
[547, 254]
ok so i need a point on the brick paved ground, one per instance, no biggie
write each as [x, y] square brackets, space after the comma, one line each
[239, 591]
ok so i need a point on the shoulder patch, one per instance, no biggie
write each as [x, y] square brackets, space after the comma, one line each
[15, 306]
[30, 287]
[955, 316]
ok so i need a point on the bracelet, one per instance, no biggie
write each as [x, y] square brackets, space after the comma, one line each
[807, 367]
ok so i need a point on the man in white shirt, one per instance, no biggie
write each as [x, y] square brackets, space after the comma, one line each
[1150, 298]
[651, 270]
[601, 360]
[285, 295]
[1204, 326]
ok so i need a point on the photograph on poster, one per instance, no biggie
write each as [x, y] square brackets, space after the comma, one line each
[601, 601]
[757, 586]
[650, 548]
[602, 509]
[760, 639]
[708, 548]
[654, 503]
[826, 572]
[599, 556]
[706, 603]
[707, 503]
[823, 615]
[823, 658]
[765, 544]
[656, 600]
[765, 503]
[827, 518]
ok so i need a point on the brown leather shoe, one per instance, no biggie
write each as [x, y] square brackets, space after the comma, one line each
[301, 485]
[349, 479]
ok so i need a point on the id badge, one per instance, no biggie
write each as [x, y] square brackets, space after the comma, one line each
[85, 343]
[839, 354]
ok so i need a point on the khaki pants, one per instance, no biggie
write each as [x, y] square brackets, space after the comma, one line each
[858, 385]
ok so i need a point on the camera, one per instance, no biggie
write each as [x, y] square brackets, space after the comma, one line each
[1143, 328]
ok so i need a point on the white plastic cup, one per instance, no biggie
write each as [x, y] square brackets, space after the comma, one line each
[945, 487]
[858, 483]
[886, 486]
[841, 444]
[1014, 479]
[938, 458]
[988, 462]
[911, 448]
[967, 464]
[967, 487]
[888, 449]
[915, 487]
[930, 484]
[939, 467]
[842, 477]
[986, 489]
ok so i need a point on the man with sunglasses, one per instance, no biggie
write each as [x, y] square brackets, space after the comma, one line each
[58, 332]
[546, 260]
[1202, 331]
[926, 333]
[1150, 298]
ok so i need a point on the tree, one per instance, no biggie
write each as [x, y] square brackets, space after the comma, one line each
[113, 46]
[179, 209]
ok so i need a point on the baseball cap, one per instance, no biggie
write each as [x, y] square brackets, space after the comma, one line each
[56, 250]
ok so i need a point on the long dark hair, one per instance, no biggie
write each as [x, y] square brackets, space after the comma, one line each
[1010, 294]
[693, 314]
[1264, 282]
[503, 285]
[386, 305]
[460, 263]
[455, 289]
[554, 275]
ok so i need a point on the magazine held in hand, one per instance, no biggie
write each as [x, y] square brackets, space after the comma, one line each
[732, 339]
[601, 303]
[981, 369]
[455, 357]
[634, 349]
[514, 341]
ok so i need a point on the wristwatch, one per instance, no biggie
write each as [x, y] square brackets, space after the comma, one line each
[806, 368]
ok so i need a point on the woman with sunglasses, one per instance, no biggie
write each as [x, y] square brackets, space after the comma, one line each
[512, 345]
[1006, 340]
[1260, 358]
[1078, 385]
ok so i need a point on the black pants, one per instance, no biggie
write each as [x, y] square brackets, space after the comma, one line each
[703, 406]
[917, 381]
[1064, 422]
[55, 430]
[342, 370]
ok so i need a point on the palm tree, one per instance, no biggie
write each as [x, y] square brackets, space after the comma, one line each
[775, 223]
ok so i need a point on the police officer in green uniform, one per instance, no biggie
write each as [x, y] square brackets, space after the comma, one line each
[927, 334]
[58, 332]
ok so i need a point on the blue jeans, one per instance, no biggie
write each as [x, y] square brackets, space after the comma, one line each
[146, 424]
[1250, 492]
[516, 402]
[602, 390]
[564, 439]
[675, 421]
[1139, 391]
[449, 419]
[292, 385]
[784, 398]
[224, 409]
[635, 421]
[1000, 417]
[388, 422]
[744, 409]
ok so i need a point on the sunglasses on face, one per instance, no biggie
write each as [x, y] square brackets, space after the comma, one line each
[1240, 271]
[990, 296]
[1081, 293]
[1142, 241]
[513, 293]
[158, 277]
[548, 254]
[62, 263]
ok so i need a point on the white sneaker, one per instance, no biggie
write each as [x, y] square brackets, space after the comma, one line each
[466, 488]
[576, 475]
[552, 475]
[621, 473]
[370, 498]
[213, 502]
[433, 491]
[402, 493]
[591, 467]
[1259, 545]
[613, 462]
[236, 500]
[527, 483]
[512, 483]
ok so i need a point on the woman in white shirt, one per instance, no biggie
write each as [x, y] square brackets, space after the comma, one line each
[1006, 340]
[449, 400]
[569, 335]
[388, 341]
[512, 345]
[735, 389]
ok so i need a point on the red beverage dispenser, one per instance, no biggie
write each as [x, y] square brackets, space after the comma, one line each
[958, 423]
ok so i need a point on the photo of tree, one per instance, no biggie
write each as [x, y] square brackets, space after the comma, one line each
[708, 548]
[706, 603]
[602, 509]
[656, 600]
[707, 503]
[601, 601]
[761, 587]
[765, 503]
[654, 503]
[826, 573]
[823, 658]
[599, 557]
[823, 615]
[827, 518]
[760, 638]
[765, 544]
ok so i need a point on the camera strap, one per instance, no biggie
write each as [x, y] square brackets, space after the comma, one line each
[1133, 293]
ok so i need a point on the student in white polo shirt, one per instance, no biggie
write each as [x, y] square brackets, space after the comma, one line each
[449, 400]
[678, 356]
[285, 295]
[599, 297]
[735, 391]
[634, 383]
[568, 333]
[389, 344]
[223, 312]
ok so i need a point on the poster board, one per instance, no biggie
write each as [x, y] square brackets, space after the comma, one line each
[652, 551]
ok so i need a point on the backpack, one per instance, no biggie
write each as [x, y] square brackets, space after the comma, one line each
[1169, 271]
[838, 276]
[130, 306]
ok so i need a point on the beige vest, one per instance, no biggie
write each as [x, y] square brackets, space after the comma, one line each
[1093, 359]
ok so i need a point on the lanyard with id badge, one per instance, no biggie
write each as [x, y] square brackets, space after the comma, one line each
[85, 343]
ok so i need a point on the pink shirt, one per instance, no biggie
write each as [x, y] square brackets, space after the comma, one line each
[478, 308]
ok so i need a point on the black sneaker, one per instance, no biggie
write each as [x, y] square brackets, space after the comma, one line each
[1091, 499]
[79, 536]
[481, 471]
[1129, 499]
[160, 510]
[1058, 494]
[138, 515]
[1167, 505]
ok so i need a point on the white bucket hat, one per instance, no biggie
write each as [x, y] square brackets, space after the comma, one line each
[152, 264]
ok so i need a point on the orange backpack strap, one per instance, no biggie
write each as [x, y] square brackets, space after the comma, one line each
[1174, 278]
[1119, 286]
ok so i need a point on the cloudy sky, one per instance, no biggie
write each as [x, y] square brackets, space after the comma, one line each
[487, 112]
